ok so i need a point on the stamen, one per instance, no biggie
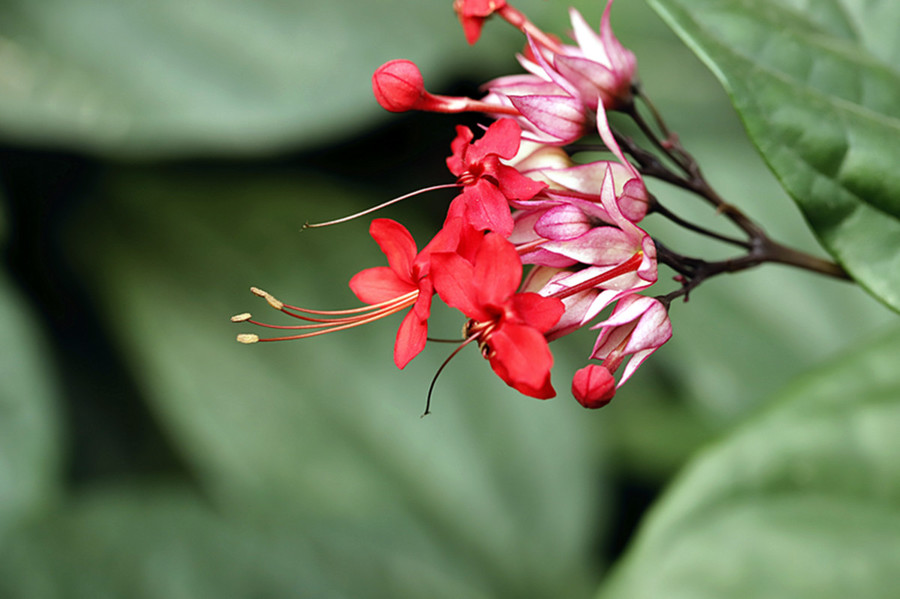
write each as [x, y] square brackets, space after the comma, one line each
[379, 206]
[441, 368]
[336, 320]
[247, 338]
[268, 297]
[399, 299]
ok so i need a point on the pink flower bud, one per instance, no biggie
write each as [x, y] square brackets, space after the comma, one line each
[593, 386]
[398, 86]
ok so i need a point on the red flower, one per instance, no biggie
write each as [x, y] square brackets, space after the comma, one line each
[508, 326]
[487, 183]
[405, 275]
[473, 13]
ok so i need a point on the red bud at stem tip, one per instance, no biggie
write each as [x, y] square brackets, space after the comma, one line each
[398, 86]
[593, 386]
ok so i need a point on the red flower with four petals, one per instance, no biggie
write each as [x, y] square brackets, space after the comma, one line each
[508, 326]
[488, 184]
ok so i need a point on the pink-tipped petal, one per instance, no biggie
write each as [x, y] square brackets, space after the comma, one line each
[560, 117]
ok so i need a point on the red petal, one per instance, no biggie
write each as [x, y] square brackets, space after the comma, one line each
[422, 307]
[486, 208]
[480, 8]
[472, 27]
[459, 146]
[521, 357]
[411, 338]
[379, 284]
[472, 14]
[397, 244]
[498, 270]
[501, 139]
[453, 280]
[514, 185]
[537, 311]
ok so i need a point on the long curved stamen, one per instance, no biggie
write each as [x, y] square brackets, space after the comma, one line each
[400, 299]
[333, 329]
[326, 322]
[440, 369]
[336, 320]
[379, 206]
[281, 306]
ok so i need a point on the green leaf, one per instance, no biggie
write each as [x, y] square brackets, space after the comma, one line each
[326, 429]
[817, 89]
[217, 77]
[30, 445]
[160, 541]
[804, 501]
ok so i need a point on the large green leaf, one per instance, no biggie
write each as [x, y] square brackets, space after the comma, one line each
[29, 428]
[802, 502]
[816, 85]
[327, 430]
[160, 541]
[212, 76]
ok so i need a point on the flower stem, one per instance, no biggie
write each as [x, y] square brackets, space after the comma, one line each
[759, 246]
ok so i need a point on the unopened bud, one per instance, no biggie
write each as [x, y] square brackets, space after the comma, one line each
[241, 317]
[593, 386]
[247, 338]
[398, 86]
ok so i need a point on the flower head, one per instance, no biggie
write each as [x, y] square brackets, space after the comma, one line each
[509, 326]
[405, 276]
[488, 185]
[598, 70]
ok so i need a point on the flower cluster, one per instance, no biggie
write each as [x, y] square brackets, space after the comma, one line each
[523, 202]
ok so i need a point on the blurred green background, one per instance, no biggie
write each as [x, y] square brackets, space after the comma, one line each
[159, 158]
